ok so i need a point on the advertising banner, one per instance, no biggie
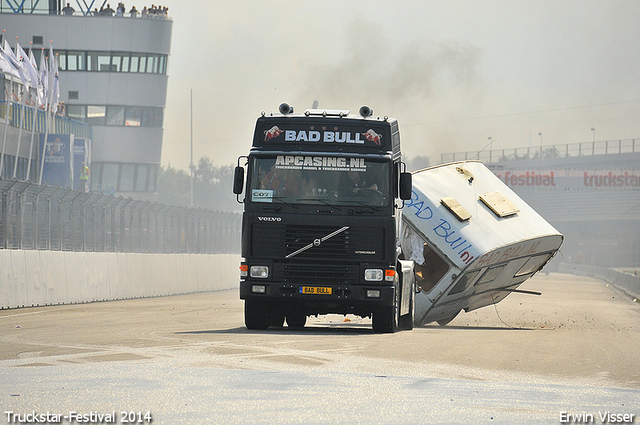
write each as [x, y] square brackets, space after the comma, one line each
[583, 178]
[58, 162]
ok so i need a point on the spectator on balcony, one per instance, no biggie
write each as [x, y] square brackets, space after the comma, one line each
[108, 11]
[68, 10]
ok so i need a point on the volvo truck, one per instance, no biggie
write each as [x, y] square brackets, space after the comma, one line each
[323, 193]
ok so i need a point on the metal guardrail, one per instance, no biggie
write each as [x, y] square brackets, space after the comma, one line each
[24, 114]
[42, 217]
[607, 147]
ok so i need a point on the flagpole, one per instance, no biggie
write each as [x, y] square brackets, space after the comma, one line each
[22, 108]
[6, 116]
[33, 132]
[6, 125]
[44, 145]
[33, 121]
[46, 121]
[191, 119]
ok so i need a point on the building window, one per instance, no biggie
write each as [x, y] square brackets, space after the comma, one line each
[153, 173]
[143, 63]
[72, 60]
[77, 112]
[36, 39]
[96, 115]
[109, 178]
[124, 177]
[115, 115]
[134, 117]
[127, 173]
[142, 179]
[73, 95]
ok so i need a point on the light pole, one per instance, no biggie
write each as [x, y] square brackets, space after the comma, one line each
[593, 129]
[191, 139]
[540, 134]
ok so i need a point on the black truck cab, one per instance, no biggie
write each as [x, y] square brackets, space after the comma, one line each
[322, 212]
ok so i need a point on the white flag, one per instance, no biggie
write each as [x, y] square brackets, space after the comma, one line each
[14, 67]
[55, 89]
[27, 68]
[40, 90]
[44, 77]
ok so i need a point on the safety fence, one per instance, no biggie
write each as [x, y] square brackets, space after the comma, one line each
[41, 217]
[605, 147]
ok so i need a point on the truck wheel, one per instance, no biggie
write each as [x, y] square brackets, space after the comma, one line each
[277, 319]
[385, 320]
[296, 319]
[256, 314]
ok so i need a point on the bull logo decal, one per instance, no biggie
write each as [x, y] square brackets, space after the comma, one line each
[272, 133]
[372, 136]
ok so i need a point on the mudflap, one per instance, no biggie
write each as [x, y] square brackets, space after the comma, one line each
[407, 295]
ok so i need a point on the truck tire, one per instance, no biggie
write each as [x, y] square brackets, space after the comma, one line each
[296, 319]
[385, 320]
[256, 314]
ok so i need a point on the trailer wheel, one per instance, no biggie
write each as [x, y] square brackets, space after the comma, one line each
[256, 314]
[296, 319]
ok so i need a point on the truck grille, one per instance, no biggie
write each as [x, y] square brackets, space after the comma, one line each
[356, 243]
[316, 273]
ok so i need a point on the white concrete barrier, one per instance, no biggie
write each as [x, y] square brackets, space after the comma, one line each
[34, 278]
[627, 283]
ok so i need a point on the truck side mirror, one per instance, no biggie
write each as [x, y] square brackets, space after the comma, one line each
[238, 180]
[406, 186]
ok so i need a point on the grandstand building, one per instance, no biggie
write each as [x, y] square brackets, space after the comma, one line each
[590, 192]
[113, 76]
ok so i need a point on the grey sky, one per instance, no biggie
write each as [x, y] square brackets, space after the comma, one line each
[454, 73]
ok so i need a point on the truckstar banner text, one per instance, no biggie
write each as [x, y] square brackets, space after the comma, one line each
[579, 178]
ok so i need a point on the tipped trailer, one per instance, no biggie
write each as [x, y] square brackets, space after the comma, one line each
[472, 240]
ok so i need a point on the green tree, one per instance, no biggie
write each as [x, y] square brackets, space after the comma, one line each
[173, 186]
[212, 186]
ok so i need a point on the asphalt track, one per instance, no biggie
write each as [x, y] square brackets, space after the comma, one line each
[568, 356]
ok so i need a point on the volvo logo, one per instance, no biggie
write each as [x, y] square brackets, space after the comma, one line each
[270, 218]
[316, 242]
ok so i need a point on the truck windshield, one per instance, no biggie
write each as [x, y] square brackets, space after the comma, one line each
[320, 180]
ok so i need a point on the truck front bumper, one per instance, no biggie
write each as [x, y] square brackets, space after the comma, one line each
[383, 295]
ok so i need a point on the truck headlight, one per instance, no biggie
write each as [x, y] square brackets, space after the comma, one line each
[261, 272]
[373, 275]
